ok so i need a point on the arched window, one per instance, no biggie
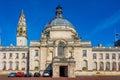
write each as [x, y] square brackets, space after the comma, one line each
[17, 65]
[108, 66]
[4, 65]
[10, 65]
[95, 66]
[101, 66]
[61, 49]
[119, 66]
[36, 65]
[23, 65]
[84, 65]
[114, 66]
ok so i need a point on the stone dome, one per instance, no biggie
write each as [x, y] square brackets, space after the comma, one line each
[59, 20]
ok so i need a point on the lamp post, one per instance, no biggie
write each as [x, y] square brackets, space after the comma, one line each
[27, 59]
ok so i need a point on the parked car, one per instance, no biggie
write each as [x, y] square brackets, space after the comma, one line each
[12, 74]
[20, 74]
[28, 74]
[36, 74]
[47, 73]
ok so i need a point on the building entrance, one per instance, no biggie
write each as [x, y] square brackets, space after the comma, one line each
[63, 71]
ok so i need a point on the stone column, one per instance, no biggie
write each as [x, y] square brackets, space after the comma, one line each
[55, 71]
[117, 66]
[110, 66]
[98, 66]
[71, 73]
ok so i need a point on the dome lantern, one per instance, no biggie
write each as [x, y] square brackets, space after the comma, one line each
[59, 12]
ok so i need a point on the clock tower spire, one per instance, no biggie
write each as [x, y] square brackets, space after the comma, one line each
[21, 31]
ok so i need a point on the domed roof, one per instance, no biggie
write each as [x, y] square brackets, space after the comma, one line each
[59, 20]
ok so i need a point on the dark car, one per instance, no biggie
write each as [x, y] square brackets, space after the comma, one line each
[12, 74]
[20, 74]
[36, 74]
[28, 74]
[47, 73]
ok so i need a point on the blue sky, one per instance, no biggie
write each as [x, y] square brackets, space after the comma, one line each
[94, 20]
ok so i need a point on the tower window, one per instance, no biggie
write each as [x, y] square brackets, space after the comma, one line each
[84, 53]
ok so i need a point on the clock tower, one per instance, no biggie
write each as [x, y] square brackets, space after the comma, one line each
[21, 31]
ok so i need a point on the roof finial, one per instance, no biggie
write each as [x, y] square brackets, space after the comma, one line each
[59, 12]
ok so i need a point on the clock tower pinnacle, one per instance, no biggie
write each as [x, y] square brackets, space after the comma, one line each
[21, 31]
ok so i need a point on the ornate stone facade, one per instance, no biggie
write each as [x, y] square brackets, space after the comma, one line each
[60, 50]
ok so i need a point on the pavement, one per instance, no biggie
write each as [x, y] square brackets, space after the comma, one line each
[62, 78]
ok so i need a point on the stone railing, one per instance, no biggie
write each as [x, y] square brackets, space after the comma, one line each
[58, 59]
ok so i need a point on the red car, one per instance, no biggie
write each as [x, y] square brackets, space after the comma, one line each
[20, 74]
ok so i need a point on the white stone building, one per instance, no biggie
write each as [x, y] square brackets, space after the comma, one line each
[61, 50]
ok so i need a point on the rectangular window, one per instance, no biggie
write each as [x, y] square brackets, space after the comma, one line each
[10, 55]
[23, 55]
[107, 55]
[17, 55]
[119, 56]
[36, 52]
[113, 56]
[4, 55]
[101, 56]
[94, 56]
[84, 53]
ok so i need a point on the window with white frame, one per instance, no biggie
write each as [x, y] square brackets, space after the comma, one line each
[36, 53]
[95, 66]
[4, 55]
[101, 66]
[107, 55]
[17, 55]
[23, 65]
[113, 56]
[23, 55]
[4, 65]
[94, 56]
[17, 65]
[84, 53]
[101, 56]
[10, 55]
[119, 56]
[10, 65]
[36, 65]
